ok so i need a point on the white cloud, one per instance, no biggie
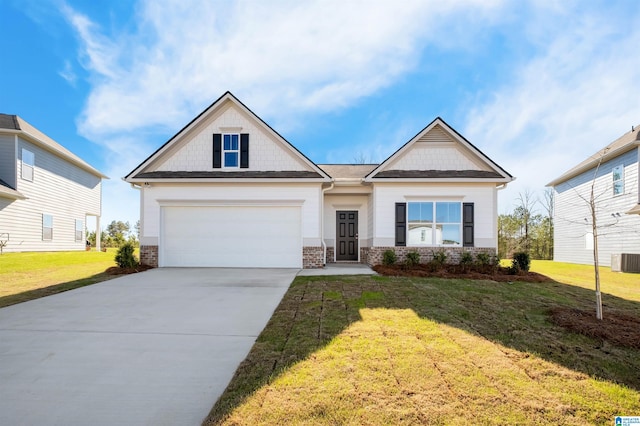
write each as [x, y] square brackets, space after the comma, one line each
[576, 96]
[68, 73]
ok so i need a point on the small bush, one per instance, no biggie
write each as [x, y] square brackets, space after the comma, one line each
[412, 258]
[483, 259]
[125, 258]
[389, 257]
[466, 260]
[440, 257]
[521, 261]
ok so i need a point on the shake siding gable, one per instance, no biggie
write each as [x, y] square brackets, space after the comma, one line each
[619, 232]
[195, 151]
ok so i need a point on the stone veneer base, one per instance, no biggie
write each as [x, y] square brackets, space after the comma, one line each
[426, 253]
[149, 256]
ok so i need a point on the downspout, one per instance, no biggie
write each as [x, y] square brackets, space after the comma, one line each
[324, 245]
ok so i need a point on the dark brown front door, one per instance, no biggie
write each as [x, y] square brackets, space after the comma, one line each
[346, 235]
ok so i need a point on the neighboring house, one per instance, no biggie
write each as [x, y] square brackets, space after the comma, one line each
[617, 204]
[228, 190]
[46, 192]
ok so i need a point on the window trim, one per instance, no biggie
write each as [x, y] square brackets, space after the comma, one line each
[434, 224]
[44, 227]
[27, 166]
[618, 181]
[81, 230]
[230, 151]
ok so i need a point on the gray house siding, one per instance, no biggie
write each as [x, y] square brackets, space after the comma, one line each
[618, 232]
[7, 160]
[59, 189]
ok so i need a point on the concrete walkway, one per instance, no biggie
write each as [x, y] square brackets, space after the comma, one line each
[154, 348]
[339, 269]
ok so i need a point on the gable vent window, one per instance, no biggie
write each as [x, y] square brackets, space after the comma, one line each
[28, 162]
[47, 227]
[231, 150]
[618, 180]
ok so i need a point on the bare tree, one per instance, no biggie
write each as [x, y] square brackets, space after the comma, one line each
[525, 211]
[548, 205]
[361, 158]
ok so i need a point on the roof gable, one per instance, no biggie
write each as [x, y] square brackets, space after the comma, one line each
[620, 146]
[189, 153]
[440, 153]
[16, 125]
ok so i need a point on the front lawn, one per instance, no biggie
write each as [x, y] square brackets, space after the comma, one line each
[386, 350]
[26, 276]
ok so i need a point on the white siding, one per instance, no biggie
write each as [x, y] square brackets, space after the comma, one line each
[482, 195]
[618, 232]
[8, 159]
[195, 153]
[155, 195]
[59, 189]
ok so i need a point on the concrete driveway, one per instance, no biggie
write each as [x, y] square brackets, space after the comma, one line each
[154, 348]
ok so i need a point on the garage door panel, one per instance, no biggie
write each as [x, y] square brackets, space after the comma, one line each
[234, 236]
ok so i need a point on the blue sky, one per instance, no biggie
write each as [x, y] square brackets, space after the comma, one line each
[537, 86]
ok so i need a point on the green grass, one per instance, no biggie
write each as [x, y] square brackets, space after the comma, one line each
[27, 276]
[379, 350]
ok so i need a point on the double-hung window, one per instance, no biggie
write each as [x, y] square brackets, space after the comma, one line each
[434, 223]
[28, 162]
[231, 150]
[618, 180]
[47, 227]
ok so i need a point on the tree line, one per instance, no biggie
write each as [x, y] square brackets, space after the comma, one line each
[116, 234]
[526, 229]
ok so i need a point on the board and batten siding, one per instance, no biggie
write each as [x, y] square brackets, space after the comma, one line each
[618, 232]
[484, 197]
[60, 189]
[241, 194]
[7, 159]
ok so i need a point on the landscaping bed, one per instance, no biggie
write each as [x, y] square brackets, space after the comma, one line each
[498, 273]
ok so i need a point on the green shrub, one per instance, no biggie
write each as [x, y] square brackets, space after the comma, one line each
[521, 261]
[440, 257]
[466, 259]
[389, 257]
[125, 258]
[483, 259]
[412, 258]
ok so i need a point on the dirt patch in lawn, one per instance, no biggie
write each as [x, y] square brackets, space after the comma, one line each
[456, 271]
[116, 270]
[616, 328]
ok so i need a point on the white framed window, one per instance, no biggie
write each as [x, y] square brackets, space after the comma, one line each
[432, 223]
[47, 227]
[231, 150]
[28, 162]
[618, 180]
[79, 229]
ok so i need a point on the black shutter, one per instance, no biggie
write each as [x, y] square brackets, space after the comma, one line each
[244, 150]
[467, 224]
[401, 224]
[217, 150]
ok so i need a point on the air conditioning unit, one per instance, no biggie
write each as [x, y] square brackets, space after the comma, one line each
[625, 262]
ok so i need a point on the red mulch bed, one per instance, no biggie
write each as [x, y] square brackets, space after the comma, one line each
[456, 271]
[616, 328]
[116, 270]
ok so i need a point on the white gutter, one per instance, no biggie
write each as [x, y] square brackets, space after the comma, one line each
[324, 245]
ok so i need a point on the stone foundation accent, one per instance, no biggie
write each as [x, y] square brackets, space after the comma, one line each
[149, 256]
[312, 257]
[330, 254]
[364, 254]
[426, 253]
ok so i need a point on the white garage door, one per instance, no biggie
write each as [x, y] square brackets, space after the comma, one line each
[231, 236]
